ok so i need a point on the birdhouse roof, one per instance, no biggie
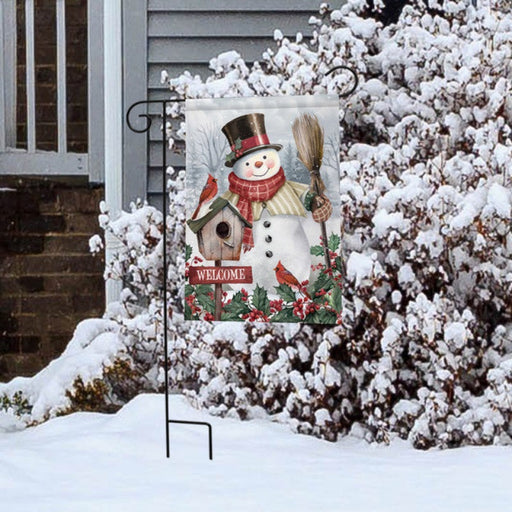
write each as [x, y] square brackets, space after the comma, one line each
[219, 204]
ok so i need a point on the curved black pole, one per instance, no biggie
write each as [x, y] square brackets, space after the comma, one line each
[354, 74]
[164, 240]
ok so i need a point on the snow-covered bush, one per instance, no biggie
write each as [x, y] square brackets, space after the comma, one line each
[426, 206]
[425, 344]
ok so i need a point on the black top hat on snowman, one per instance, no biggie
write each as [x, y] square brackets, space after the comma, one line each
[245, 135]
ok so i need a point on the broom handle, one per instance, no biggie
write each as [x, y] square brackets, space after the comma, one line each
[323, 227]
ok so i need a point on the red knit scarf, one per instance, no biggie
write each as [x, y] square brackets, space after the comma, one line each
[250, 191]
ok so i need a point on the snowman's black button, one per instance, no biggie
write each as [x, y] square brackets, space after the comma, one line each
[266, 224]
[268, 239]
[269, 254]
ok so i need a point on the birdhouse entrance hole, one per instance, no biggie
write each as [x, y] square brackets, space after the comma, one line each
[223, 230]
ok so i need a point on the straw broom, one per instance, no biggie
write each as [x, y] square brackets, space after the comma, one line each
[309, 139]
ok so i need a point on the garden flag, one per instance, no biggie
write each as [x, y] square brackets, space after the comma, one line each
[263, 225]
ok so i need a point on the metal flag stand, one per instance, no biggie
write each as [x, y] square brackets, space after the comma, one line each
[146, 129]
[164, 104]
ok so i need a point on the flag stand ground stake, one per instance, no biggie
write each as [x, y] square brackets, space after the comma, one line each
[164, 104]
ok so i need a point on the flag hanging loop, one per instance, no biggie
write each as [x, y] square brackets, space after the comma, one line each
[354, 75]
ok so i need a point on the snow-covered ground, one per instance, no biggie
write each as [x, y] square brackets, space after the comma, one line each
[95, 462]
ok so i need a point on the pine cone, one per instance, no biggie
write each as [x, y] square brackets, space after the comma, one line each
[321, 208]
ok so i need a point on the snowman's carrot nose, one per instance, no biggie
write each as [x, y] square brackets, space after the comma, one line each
[258, 164]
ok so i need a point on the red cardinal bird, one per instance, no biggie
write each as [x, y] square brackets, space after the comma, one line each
[286, 277]
[209, 192]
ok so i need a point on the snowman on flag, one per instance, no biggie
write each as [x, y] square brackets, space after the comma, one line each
[276, 246]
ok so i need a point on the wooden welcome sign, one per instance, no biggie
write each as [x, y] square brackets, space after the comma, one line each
[214, 275]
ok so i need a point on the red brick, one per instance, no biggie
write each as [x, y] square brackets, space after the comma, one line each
[78, 131]
[77, 93]
[57, 343]
[30, 344]
[46, 264]
[30, 244]
[28, 324]
[46, 132]
[9, 266]
[81, 224]
[56, 323]
[85, 200]
[8, 202]
[32, 223]
[28, 200]
[46, 75]
[67, 244]
[76, 53]
[8, 323]
[77, 113]
[9, 345]
[8, 223]
[10, 304]
[20, 364]
[9, 286]
[31, 284]
[42, 304]
[76, 15]
[46, 113]
[45, 53]
[91, 304]
[88, 284]
[77, 146]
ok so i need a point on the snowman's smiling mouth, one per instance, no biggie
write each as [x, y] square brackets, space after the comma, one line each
[260, 175]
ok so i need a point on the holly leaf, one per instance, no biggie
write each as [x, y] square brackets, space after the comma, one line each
[334, 242]
[317, 250]
[231, 317]
[237, 306]
[189, 290]
[203, 298]
[324, 281]
[206, 303]
[188, 312]
[322, 316]
[336, 298]
[188, 252]
[260, 300]
[204, 289]
[285, 315]
[285, 292]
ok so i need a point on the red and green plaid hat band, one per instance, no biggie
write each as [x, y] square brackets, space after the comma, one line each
[251, 142]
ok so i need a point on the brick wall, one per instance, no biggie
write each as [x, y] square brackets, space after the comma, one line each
[48, 279]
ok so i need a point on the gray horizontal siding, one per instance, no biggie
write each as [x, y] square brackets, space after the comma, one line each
[233, 5]
[186, 35]
[193, 50]
[223, 24]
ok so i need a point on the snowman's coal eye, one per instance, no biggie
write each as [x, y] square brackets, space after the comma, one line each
[247, 163]
[264, 157]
